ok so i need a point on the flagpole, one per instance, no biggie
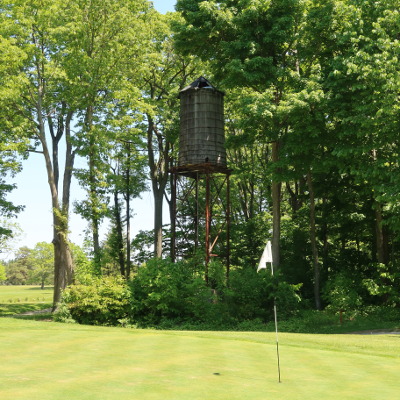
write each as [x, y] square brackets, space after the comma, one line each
[267, 258]
[276, 331]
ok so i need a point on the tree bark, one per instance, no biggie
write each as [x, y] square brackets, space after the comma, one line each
[128, 215]
[95, 223]
[63, 265]
[118, 227]
[313, 240]
[325, 237]
[276, 211]
[158, 218]
[382, 253]
[93, 187]
[159, 179]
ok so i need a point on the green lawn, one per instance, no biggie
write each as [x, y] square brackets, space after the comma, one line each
[19, 299]
[51, 361]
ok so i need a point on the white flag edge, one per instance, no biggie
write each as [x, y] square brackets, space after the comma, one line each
[266, 256]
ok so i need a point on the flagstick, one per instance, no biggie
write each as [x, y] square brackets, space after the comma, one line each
[276, 331]
[277, 344]
[267, 257]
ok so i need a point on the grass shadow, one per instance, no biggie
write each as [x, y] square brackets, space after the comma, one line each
[42, 316]
[38, 288]
[12, 309]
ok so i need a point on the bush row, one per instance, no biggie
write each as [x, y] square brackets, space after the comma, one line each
[163, 293]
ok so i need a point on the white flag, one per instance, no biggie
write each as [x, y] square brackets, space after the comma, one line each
[266, 256]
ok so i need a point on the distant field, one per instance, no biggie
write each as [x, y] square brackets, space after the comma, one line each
[19, 299]
[75, 362]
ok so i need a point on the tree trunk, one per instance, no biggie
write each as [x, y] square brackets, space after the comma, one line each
[128, 218]
[159, 179]
[172, 216]
[325, 238]
[93, 187]
[118, 227]
[63, 265]
[382, 253]
[313, 240]
[95, 223]
[276, 211]
[158, 219]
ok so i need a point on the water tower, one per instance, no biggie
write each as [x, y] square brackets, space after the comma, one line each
[200, 190]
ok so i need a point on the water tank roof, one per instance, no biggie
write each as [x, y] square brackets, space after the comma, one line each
[200, 83]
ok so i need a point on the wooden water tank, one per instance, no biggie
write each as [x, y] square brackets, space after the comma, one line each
[201, 139]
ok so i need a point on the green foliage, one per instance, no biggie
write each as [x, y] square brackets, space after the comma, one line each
[41, 262]
[66, 64]
[318, 82]
[329, 322]
[3, 275]
[17, 270]
[13, 138]
[248, 239]
[384, 284]
[84, 269]
[321, 80]
[164, 294]
[252, 295]
[165, 290]
[102, 301]
[342, 293]
[250, 37]
[142, 246]
[32, 266]
[10, 233]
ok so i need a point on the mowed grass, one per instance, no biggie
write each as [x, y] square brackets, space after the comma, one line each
[51, 361]
[20, 299]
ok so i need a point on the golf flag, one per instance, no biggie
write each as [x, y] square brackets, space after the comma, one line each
[266, 256]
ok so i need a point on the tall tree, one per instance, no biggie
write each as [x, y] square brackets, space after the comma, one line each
[122, 162]
[41, 264]
[129, 182]
[18, 269]
[10, 233]
[166, 74]
[68, 51]
[113, 43]
[14, 139]
[362, 72]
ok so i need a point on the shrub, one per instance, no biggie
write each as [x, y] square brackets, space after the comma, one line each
[252, 294]
[166, 290]
[102, 301]
[385, 283]
[84, 270]
[341, 293]
[163, 291]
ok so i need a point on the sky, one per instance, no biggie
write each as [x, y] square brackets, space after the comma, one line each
[33, 192]
[164, 5]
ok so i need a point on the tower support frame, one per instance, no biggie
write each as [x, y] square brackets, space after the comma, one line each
[201, 214]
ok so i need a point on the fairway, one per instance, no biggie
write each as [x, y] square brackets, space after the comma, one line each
[50, 361]
[16, 299]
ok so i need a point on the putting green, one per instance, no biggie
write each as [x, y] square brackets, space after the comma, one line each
[50, 361]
